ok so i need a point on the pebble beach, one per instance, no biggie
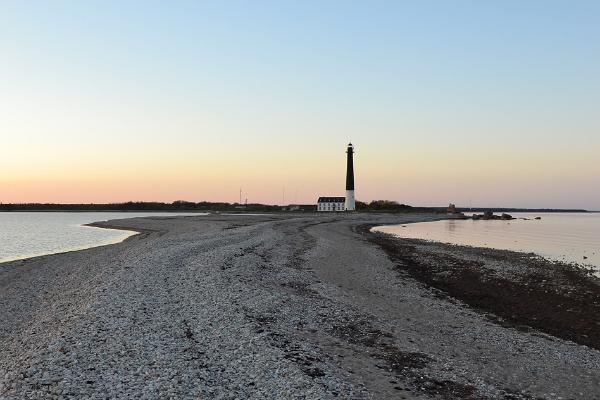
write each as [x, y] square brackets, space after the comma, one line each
[294, 306]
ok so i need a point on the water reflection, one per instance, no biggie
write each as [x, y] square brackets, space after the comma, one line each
[451, 226]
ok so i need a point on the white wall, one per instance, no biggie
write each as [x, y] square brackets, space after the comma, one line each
[330, 206]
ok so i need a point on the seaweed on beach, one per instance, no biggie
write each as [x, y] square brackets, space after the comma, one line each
[558, 299]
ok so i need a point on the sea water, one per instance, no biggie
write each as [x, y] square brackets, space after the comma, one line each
[570, 237]
[30, 234]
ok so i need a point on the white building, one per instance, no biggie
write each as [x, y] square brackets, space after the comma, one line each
[331, 204]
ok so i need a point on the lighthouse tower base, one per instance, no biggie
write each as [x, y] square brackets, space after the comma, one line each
[350, 204]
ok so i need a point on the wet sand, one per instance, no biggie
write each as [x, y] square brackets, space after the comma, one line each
[294, 306]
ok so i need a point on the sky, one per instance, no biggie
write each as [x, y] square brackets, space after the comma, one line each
[471, 102]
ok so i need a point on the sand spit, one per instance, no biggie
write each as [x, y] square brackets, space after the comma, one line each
[280, 306]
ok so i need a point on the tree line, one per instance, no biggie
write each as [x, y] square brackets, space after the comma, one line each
[179, 205]
[189, 206]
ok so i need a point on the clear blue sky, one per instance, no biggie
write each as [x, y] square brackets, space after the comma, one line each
[493, 103]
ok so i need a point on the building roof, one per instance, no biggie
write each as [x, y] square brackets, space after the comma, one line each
[331, 200]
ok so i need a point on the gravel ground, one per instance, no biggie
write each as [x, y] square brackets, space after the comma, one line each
[254, 307]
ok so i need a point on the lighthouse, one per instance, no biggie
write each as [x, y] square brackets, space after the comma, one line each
[335, 204]
[350, 204]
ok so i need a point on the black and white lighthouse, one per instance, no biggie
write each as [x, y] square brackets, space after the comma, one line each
[350, 204]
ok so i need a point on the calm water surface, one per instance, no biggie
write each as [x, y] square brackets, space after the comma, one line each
[30, 234]
[559, 236]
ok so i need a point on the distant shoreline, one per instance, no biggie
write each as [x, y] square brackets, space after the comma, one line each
[184, 206]
[524, 210]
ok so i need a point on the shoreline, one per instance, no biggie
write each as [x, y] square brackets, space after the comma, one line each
[71, 250]
[101, 224]
[554, 297]
[279, 305]
[586, 268]
[535, 241]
